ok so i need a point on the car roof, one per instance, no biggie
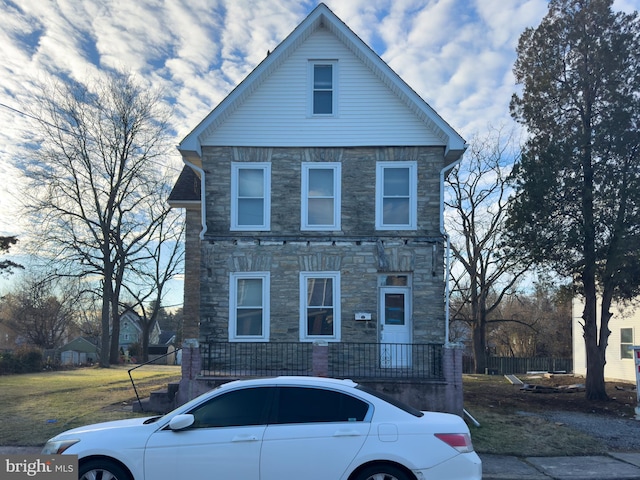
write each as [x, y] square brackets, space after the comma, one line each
[293, 380]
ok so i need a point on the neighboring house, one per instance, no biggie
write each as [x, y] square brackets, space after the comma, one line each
[625, 334]
[131, 331]
[313, 198]
[80, 351]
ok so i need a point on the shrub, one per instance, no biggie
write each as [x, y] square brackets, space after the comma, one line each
[30, 359]
[25, 359]
[7, 363]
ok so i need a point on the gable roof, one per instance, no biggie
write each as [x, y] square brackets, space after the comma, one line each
[322, 16]
[81, 344]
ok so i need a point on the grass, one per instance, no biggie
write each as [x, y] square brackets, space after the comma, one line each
[35, 407]
[509, 424]
[529, 436]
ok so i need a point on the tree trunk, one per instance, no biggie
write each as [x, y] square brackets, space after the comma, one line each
[114, 354]
[479, 346]
[107, 294]
[105, 342]
[144, 347]
[118, 275]
[595, 385]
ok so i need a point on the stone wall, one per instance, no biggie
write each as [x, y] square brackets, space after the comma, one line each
[358, 188]
[358, 251]
[359, 264]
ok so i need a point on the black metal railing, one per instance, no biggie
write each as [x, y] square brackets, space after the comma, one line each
[386, 360]
[519, 365]
[256, 359]
[149, 362]
[336, 359]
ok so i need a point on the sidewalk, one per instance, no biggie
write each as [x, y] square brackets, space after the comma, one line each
[610, 466]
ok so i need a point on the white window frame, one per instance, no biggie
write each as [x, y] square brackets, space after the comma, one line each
[413, 195]
[336, 167]
[233, 306]
[334, 87]
[629, 345]
[335, 276]
[266, 214]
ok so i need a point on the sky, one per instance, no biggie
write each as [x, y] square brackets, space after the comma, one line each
[456, 54]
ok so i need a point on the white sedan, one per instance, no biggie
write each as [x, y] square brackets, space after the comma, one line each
[282, 428]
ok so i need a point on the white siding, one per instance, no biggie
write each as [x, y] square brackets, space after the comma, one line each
[579, 352]
[616, 368]
[277, 112]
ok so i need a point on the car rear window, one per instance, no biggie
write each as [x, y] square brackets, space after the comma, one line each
[393, 401]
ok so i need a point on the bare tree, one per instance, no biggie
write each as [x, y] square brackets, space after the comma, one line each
[147, 285]
[483, 272]
[92, 183]
[538, 323]
[40, 312]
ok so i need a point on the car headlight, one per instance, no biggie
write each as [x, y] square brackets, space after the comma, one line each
[56, 447]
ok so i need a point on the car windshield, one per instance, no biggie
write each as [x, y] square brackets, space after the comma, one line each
[389, 399]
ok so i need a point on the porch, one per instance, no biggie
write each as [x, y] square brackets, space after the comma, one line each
[339, 360]
[427, 376]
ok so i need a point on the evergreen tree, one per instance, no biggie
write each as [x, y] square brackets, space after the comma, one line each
[577, 203]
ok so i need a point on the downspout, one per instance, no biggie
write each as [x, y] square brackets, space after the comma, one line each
[447, 256]
[203, 203]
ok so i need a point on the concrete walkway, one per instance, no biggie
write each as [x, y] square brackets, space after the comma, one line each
[609, 466]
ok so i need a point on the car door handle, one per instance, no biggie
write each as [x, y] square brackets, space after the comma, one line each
[244, 438]
[347, 433]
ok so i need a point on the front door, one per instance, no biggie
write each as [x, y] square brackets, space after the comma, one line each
[395, 327]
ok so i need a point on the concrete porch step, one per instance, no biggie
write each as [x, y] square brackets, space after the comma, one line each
[159, 401]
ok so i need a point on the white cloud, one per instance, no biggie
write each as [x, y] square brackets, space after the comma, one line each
[456, 54]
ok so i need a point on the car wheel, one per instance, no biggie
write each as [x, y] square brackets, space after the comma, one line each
[102, 470]
[382, 472]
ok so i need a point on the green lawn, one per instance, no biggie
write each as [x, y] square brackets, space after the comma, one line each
[37, 406]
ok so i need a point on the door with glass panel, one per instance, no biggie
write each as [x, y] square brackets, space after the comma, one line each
[395, 327]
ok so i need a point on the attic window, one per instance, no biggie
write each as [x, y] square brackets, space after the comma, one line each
[323, 87]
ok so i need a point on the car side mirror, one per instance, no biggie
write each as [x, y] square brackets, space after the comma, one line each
[180, 422]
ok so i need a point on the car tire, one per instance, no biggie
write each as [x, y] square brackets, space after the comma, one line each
[102, 470]
[382, 472]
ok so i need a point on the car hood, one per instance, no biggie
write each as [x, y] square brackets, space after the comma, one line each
[117, 424]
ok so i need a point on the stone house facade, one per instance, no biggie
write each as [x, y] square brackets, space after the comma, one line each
[313, 198]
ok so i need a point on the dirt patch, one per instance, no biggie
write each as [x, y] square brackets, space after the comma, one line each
[488, 391]
[550, 420]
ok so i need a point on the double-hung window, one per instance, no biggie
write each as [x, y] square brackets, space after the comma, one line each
[319, 306]
[320, 196]
[626, 343]
[396, 195]
[323, 87]
[250, 196]
[249, 306]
